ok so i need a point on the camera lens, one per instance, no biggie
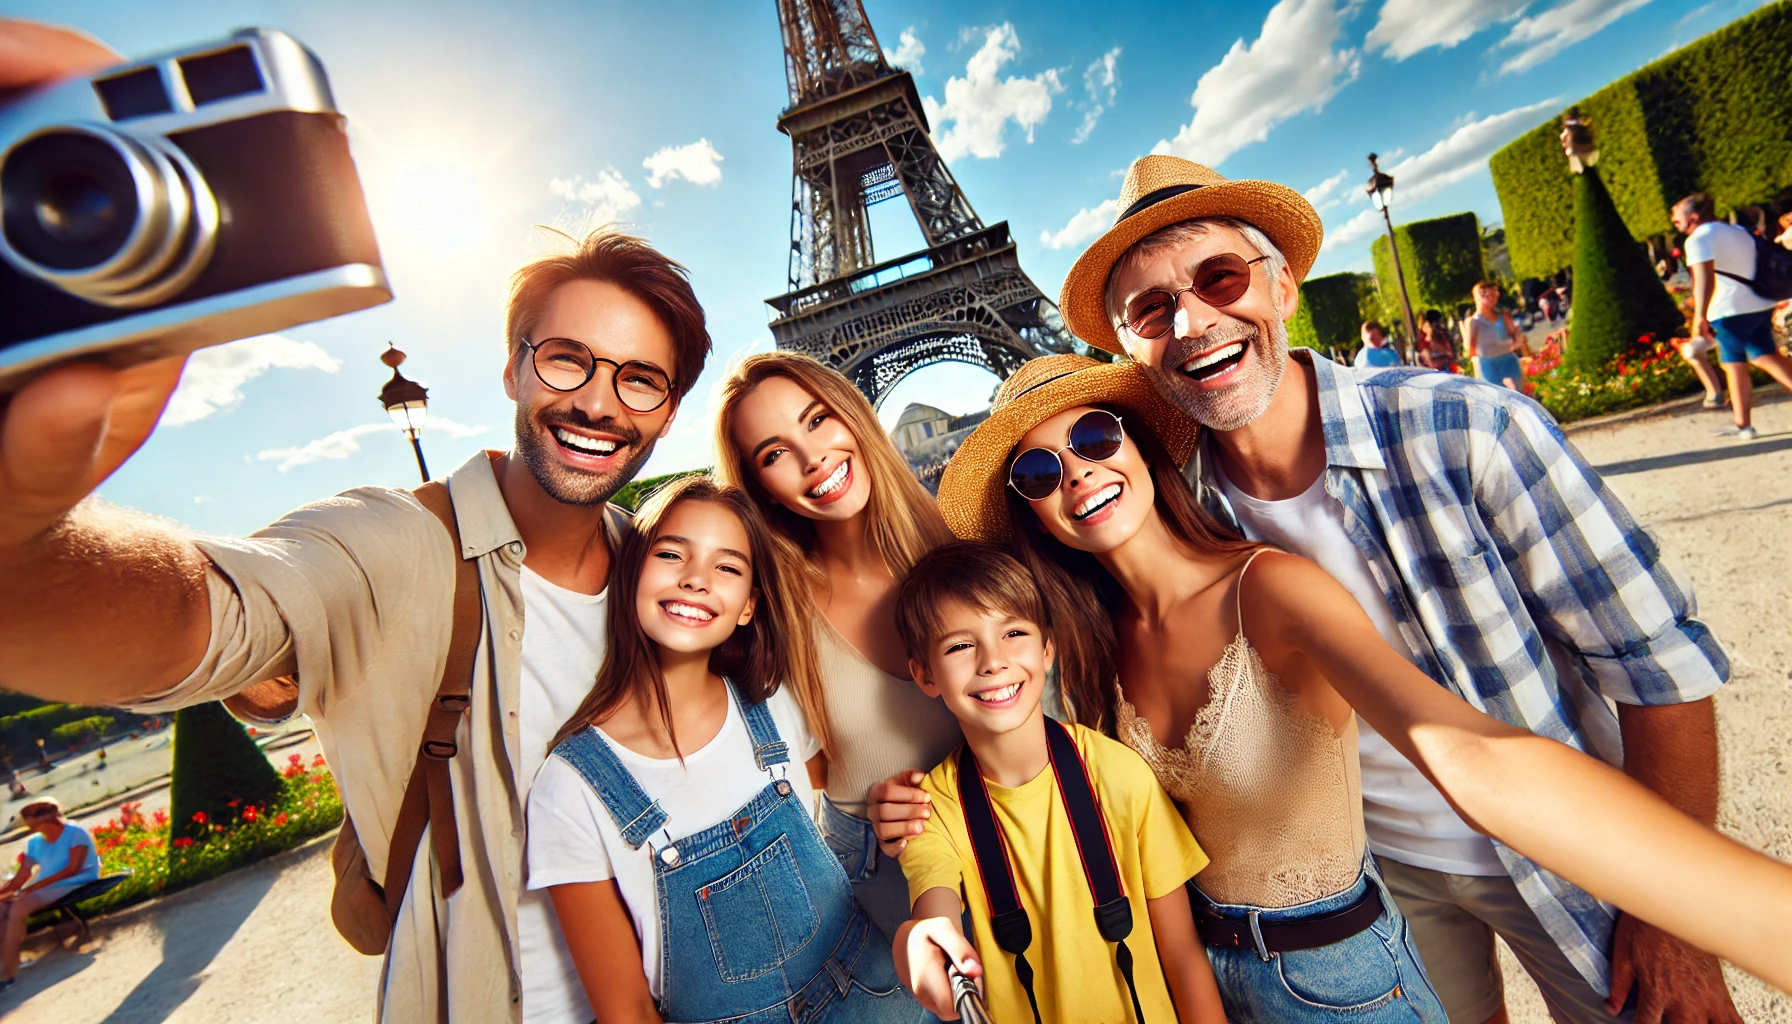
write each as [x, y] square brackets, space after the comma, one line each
[70, 200]
[109, 217]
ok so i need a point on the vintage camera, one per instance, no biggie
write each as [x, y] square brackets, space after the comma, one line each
[178, 202]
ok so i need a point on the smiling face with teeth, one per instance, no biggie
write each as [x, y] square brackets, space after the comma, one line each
[988, 666]
[581, 446]
[696, 584]
[1098, 505]
[801, 451]
[1221, 366]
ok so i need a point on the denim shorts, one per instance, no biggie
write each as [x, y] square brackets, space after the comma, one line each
[1372, 977]
[1744, 337]
[1498, 368]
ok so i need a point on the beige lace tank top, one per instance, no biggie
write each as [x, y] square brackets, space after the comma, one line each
[1273, 796]
[882, 724]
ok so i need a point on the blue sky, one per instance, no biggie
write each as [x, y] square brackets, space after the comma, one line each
[470, 124]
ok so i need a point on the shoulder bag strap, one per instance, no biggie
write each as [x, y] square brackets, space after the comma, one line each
[429, 796]
[1113, 914]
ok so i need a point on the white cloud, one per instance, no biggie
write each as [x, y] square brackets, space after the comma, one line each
[908, 52]
[1083, 226]
[344, 443]
[214, 378]
[1102, 81]
[978, 107]
[1406, 27]
[1326, 195]
[1541, 36]
[1290, 69]
[695, 163]
[1457, 156]
[606, 198]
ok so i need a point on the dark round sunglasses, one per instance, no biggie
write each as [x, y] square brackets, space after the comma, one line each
[567, 365]
[1094, 437]
[1219, 281]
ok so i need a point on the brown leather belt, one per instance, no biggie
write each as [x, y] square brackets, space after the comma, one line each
[1284, 936]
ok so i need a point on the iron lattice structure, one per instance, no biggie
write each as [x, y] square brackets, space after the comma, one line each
[860, 137]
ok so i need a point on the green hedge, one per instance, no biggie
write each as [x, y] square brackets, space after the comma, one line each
[1332, 311]
[1711, 116]
[633, 493]
[217, 769]
[1441, 259]
[1617, 297]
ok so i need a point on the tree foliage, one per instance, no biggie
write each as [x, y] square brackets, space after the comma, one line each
[1332, 311]
[1709, 117]
[1617, 297]
[217, 769]
[1440, 258]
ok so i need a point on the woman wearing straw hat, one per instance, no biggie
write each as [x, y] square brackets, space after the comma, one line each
[806, 445]
[1234, 669]
[1478, 541]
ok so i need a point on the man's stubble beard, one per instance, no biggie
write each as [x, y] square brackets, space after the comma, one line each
[571, 487]
[1246, 399]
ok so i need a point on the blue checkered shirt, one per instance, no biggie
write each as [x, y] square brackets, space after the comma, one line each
[1517, 578]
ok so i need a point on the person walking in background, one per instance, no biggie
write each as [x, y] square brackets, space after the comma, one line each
[1435, 349]
[1492, 339]
[1376, 352]
[61, 856]
[1725, 308]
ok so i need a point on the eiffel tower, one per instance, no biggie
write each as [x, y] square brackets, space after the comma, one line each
[860, 137]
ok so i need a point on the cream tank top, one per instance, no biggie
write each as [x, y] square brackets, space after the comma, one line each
[1272, 794]
[882, 724]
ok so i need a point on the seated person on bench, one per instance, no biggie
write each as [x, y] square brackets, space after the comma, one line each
[62, 856]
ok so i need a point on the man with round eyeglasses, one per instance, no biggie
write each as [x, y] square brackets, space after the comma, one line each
[350, 600]
[1476, 538]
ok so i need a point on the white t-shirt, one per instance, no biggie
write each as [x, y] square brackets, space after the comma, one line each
[563, 643]
[1730, 248]
[573, 838]
[53, 857]
[1404, 815]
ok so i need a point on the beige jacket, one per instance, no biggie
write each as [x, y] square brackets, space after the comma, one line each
[354, 593]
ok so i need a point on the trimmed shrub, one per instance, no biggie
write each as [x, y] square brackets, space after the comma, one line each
[1709, 117]
[1441, 259]
[1617, 297]
[217, 769]
[633, 493]
[1332, 311]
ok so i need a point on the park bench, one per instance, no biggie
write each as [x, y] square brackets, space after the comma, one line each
[97, 887]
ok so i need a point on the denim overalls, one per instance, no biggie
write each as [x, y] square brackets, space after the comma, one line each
[757, 921]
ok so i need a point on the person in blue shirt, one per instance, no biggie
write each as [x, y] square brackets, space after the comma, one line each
[62, 858]
[1376, 351]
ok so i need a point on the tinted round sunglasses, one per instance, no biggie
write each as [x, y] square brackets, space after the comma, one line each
[1094, 437]
[1218, 281]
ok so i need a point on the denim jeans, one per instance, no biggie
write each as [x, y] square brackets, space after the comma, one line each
[877, 881]
[1372, 977]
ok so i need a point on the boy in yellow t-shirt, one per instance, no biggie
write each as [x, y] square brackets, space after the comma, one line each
[974, 624]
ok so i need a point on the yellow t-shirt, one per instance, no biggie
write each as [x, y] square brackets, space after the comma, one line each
[1074, 973]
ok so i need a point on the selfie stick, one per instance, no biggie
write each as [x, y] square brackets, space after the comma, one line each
[965, 998]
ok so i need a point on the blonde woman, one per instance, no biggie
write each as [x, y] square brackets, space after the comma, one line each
[806, 445]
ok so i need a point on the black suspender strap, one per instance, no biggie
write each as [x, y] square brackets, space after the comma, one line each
[1008, 919]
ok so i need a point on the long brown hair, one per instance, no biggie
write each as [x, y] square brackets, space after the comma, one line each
[904, 523]
[1079, 591]
[756, 657]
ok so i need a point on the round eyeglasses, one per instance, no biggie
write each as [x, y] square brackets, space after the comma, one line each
[1094, 437]
[1219, 281]
[567, 365]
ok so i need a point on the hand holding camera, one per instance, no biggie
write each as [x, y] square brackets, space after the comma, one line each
[151, 209]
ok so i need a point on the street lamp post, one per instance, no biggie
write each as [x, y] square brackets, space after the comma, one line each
[1381, 193]
[407, 402]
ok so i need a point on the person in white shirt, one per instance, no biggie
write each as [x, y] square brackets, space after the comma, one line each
[1725, 308]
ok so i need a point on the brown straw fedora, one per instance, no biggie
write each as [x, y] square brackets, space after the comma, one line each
[971, 498]
[1164, 190]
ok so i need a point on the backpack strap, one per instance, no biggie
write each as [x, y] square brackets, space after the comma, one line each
[429, 796]
[1008, 919]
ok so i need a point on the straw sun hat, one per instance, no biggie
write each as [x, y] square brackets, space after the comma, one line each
[971, 498]
[1164, 190]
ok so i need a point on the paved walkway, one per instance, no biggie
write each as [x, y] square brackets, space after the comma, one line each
[1722, 511]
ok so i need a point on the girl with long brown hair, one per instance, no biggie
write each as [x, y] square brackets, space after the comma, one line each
[667, 825]
[850, 516]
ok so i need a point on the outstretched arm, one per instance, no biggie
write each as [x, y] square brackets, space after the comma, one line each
[927, 944]
[1184, 959]
[1571, 813]
[600, 935]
